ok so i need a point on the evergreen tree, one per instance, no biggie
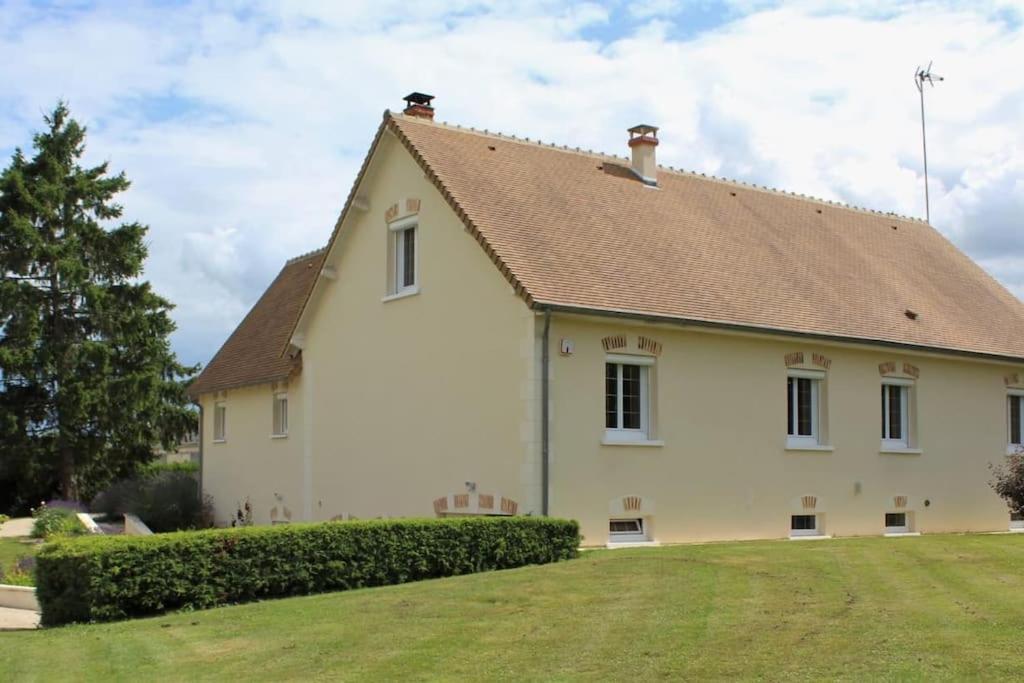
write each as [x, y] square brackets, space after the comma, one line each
[88, 382]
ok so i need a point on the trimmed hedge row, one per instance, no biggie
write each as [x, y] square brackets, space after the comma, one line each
[108, 578]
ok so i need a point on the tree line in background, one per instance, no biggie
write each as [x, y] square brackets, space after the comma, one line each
[88, 382]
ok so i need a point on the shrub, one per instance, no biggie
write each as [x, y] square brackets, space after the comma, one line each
[53, 521]
[105, 578]
[3, 518]
[1008, 482]
[166, 500]
[154, 468]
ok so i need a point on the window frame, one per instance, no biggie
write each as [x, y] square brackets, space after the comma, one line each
[279, 415]
[1012, 396]
[1016, 522]
[620, 434]
[904, 441]
[900, 528]
[816, 379]
[797, 533]
[220, 422]
[638, 536]
[397, 256]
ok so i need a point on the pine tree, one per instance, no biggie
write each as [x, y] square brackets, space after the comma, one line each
[88, 382]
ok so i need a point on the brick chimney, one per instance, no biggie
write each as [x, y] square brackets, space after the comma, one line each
[643, 139]
[418, 104]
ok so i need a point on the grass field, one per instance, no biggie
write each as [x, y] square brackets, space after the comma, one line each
[11, 550]
[934, 607]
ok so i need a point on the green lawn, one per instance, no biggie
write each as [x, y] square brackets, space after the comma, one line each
[11, 550]
[911, 608]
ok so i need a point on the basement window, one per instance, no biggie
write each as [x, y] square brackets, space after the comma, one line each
[220, 415]
[896, 523]
[626, 530]
[803, 525]
[627, 398]
[1016, 521]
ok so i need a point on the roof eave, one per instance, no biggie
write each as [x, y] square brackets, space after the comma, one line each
[573, 309]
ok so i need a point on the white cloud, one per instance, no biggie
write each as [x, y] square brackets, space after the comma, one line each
[243, 125]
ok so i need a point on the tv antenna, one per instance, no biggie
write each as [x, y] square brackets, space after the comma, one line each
[922, 76]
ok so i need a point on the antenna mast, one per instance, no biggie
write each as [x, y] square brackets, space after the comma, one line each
[922, 76]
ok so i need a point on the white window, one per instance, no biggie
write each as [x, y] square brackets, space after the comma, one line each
[803, 525]
[626, 530]
[220, 414]
[895, 415]
[1017, 521]
[280, 414]
[403, 259]
[896, 523]
[1013, 418]
[627, 398]
[803, 414]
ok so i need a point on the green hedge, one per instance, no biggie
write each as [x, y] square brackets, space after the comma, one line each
[107, 578]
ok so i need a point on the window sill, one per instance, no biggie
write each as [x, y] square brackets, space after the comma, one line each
[220, 440]
[413, 291]
[644, 443]
[900, 451]
[1014, 449]
[278, 436]
[818, 537]
[814, 449]
[900, 534]
[613, 545]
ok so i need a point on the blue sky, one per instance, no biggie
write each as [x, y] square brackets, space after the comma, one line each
[242, 124]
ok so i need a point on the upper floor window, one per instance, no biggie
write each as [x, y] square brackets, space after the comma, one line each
[803, 414]
[220, 414]
[627, 398]
[403, 261]
[1014, 400]
[895, 414]
[280, 415]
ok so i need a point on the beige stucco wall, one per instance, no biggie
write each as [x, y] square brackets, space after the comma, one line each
[724, 471]
[414, 397]
[250, 462]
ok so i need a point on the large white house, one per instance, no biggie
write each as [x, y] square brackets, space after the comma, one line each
[501, 326]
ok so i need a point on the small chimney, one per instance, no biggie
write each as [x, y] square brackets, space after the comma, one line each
[418, 104]
[642, 141]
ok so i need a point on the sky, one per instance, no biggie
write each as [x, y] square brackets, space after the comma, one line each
[242, 124]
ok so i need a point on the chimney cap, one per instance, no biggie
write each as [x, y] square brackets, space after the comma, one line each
[418, 98]
[643, 129]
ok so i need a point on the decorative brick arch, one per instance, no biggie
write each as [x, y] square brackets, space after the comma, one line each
[800, 358]
[631, 506]
[807, 504]
[401, 209]
[475, 504]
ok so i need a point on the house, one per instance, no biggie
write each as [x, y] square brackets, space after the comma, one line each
[503, 326]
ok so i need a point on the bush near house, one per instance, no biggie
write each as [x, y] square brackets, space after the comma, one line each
[53, 521]
[165, 497]
[108, 578]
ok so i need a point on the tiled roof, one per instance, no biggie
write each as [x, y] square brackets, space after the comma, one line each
[255, 351]
[574, 230]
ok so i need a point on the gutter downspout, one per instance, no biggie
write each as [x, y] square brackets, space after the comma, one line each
[202, 459]
[545, 436]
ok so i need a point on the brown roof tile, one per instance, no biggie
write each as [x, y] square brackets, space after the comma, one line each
[255, 351]
[568, 234]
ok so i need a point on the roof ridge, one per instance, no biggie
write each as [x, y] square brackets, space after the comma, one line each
[305, 256]
[497, 135]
